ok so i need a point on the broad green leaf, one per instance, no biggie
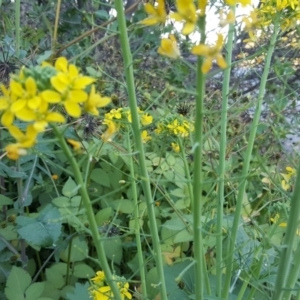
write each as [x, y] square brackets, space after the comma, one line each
[5, 200]
[9, 232]
[82, 270]
[35, 290]
[17, 282]
[70, 188]
[42, 231]
[104, 215]
[55, 278]
[123, 206]
[61, 201]
[80, 292]
[79, 250]
[101, 177]
[113, 249]
[183, 236]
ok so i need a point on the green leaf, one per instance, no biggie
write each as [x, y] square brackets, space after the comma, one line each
[82, 270]
[123, 206]
[61, 201]
[5, 200]
[35, 290]
[17, 283]
[113, 249]
[79, 250]
[70, 188]
[9, 232]
[104, 215]
[44, 230]
[101, 177]
[80, 292]
[183, 236]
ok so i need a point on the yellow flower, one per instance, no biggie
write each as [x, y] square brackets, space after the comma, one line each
[6, 100]
[75, 144]
[99, 278]
[110, 131]
[202, 6]
[234, 2]
[54, 177]
[14, 151]
[168, 47]
[186, 12]
[157, 14]
[228, 19]
[145, 136]
[25, 140]
[146, 119]
[210, 54]
[285, 183]
[291, 171]
[175, 147]
[95, 101]
[105, 292]
[251, 23]
[69, 87]
[27, 96]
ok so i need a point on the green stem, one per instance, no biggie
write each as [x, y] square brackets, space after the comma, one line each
[137, 223]
[17, 26]
[284, 273]
[246, 165]
[54, 41]
[187, 172]
[200, 267]
[128, 64]
[222, 159]
[89, 212]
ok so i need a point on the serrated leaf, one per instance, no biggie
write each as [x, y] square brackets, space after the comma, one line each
[35, 290]
[70, 188]
[83, 271]
[5, 200]
[101, 177]
[43, 231]
[17, 283]
[80, 292]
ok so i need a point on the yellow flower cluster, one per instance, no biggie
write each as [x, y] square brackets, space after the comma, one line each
[117, 119]
[175, 125]
[188, 14]
[285, 182]
[101, 291]
[34, 94]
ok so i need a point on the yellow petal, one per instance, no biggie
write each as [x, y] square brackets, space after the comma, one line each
[55, 117]
[176, 17]
[7, 118]
[51, 96]
[31, 86]
[188, 28]
[221, 61]
[61, 64]
[73, 71]
[73, 109]
[34, 103]
[200, 49]
[40, 126]
[58, 84]
[206, 66]
[16, 88]
[150, 9]
[77, 96]
[82, 82]
[18, 105]
[26, 115]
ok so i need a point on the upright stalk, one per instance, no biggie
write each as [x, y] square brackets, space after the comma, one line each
[54, 38]
[287, 276]
[17, 26]
[200, 268]
[89, 212]
[222, 159]
[246, 165]
[137, 230]
[127, 58]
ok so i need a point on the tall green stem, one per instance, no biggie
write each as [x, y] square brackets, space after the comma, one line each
[17, 26]
[222, 160]
[54, 38]
[89, 212]
[286, 275]
[198, 176]
[246, 165]
[127, 57]
[141, 257]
